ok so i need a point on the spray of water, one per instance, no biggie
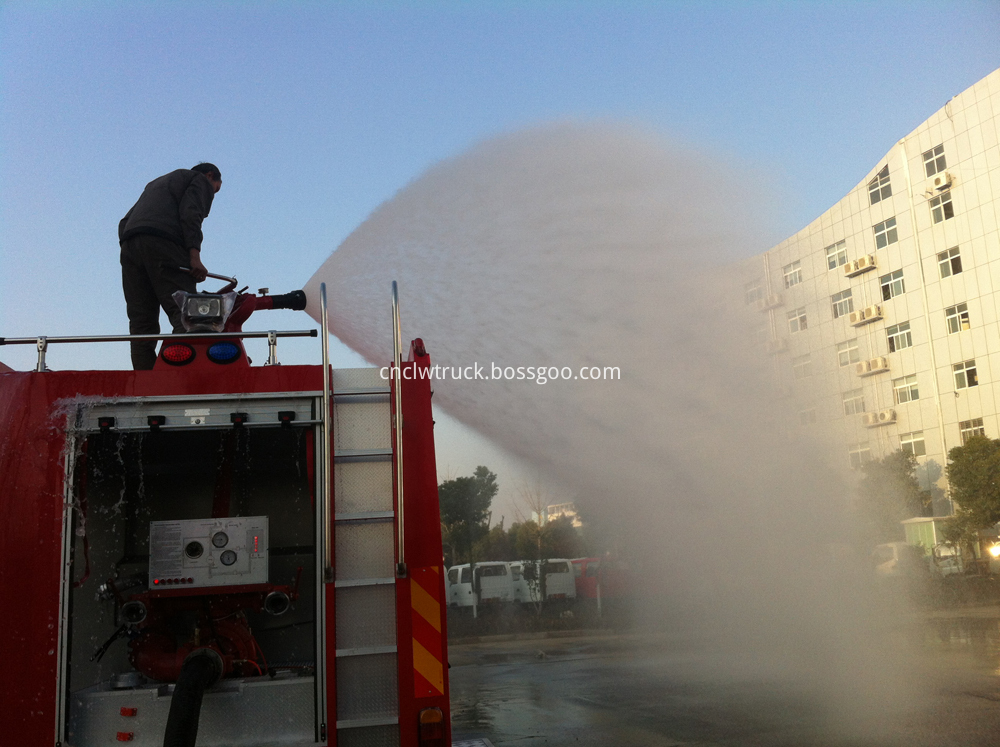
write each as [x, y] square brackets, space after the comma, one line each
[603, 246]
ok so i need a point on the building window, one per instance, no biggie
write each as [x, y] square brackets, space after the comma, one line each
[802, 366]
[859, 454]
[950, 262]
[905, 389]
[970, 428]
[807, 417]
[792, 274]
[836, 255]
[965, 375]
[797, 320]
[892, 285]
[934, 162]
[878, 188]
[899, 336]
[885, 233]
[847, 352]
[957, 318]
[843, 304]
[854, 402]
[913, 443]
[753, 291]
[941, 207]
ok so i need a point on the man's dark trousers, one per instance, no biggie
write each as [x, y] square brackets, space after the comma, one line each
[149, 279]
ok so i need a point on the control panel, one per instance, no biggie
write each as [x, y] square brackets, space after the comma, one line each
[208, 552]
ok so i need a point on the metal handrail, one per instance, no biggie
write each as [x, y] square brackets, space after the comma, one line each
[168, 336]
[327, 512]
[42, 342]
[397, 353]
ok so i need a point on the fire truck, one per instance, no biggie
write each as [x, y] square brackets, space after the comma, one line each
[217, 551]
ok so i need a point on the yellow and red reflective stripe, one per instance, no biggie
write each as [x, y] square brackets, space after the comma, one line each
[428, 650]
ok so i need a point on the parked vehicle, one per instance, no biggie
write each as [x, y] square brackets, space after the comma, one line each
[946, 560]
[525, 590]
[493, 584]
[559, 582]
[896, 559]
[599, 578]
[529, 586]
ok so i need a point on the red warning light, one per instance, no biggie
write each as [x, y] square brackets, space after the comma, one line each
[127, 712]
[255, 543]
[156, 582]
[177, 354]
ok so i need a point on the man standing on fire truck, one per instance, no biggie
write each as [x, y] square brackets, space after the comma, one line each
[161, 233]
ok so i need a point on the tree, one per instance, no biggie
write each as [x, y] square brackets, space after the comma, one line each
[494, 545]
[531, 503]
[974, 477]
[889, 493]
[526, 539]
[465, 510]
[560, 539]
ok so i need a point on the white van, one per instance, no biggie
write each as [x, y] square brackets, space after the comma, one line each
[492, 579]
[560, 582]
[525, 592]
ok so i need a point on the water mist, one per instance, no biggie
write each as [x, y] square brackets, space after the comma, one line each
[602, 246]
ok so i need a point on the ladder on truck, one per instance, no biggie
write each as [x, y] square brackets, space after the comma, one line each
[367, 690]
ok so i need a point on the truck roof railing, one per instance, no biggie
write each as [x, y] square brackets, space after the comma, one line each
[42, 342]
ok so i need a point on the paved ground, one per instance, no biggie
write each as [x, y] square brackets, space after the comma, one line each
[611, 690]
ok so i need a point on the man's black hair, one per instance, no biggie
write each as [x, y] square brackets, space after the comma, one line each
[209, 169]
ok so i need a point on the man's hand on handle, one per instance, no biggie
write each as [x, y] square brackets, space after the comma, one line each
[198, 271]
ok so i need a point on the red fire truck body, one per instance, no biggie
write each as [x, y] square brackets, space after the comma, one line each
[106, 475]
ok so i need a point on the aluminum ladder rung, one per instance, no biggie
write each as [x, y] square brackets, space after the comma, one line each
[361, 517]
[360, 392]
[346, 583]
[358, 723]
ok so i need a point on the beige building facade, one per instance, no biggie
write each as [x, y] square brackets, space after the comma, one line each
[883, 314]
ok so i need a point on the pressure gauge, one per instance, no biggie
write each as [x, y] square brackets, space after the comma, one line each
[228, 557]
[220, 539]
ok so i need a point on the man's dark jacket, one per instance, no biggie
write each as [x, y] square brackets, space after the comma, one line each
[172, 207]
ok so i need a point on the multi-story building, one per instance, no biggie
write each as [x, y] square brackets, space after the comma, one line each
[558, 510]
[883, 314]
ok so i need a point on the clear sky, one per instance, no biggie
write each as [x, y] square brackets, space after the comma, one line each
[318, 112]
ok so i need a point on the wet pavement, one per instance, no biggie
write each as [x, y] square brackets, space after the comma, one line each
[605, 689]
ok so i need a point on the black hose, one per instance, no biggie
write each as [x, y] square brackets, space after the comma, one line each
[199, 672]
[296, 301]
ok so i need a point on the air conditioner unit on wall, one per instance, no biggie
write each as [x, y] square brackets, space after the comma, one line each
[873, 313]
[860, 265]
[857, 317]
[878, 365]
[769, 302]
[863, 367]
[865, 263]
[886, 416]
[870, 419]
[941, 181]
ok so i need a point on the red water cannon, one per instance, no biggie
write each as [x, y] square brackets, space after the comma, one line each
[216, 314]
